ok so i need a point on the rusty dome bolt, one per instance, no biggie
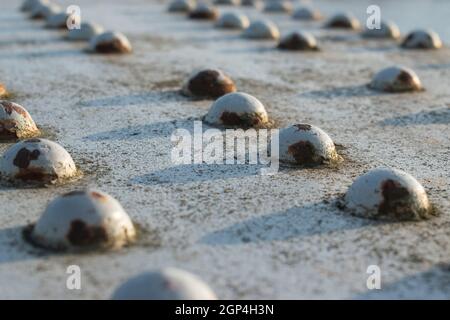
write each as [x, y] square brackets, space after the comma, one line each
[28, 5]
[16, 122]
[37, 160]
[388, 30]
[208, 83]
[110, 42]
[237, 109]
[232, 20]
[298, 40]
[181, 5]
[343, 21]
[396, 79]
[3, 91]
[88, 219]
[227, 2]
[306, 145]
[307, 13]
[278, 6]
[164, 284]
[262, 29]
[204, 11]
[422, 39]
[86, 32]
[43, 10]
[388, 194]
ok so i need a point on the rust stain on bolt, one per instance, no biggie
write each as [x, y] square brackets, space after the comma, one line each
[210, 83]
[81, 234]
[303, 152]
[395, 198]
[24, 157]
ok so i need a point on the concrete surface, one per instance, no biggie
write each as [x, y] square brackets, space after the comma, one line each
[248, 236]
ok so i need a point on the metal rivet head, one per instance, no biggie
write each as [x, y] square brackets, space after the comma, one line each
[83, 220]
[15, 122]
[208, 83]
[165, 284]
[262, 29]
[390, 194]
[237, 110]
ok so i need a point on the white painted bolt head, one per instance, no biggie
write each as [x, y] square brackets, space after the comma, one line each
[262, 29]
[388, 30]
[306, 145]
[389, 194]
[165, 284]
[208, 83]
[204, 11]
[38, 160]
[15, 122]
[343, 21]
[232, 20]
[307, 13]
[422, 39]
[237, 109]
[181, 5]
[86, 32]
[110, 42]
[278, 6]
[83, 219]
[396, 79]
[43, 10]
[298, 40]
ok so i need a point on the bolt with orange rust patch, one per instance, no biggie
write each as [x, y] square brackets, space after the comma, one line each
[84, 219]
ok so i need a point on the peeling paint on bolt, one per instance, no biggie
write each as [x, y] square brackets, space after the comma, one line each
[388, 30]
[396, 79]
[204, 11]
[262, 29]
[237, 110]
[15, 122]
[306, 13]
[306, 145]
[110, 42]
[38, 160]
[86, 32]
[278, 6]
[422, 39]
[208, 83]
[232, 20]
[343, 21]
[165, 284]
[88, 219]
[298, 40]
[181, 5]
[388, 194]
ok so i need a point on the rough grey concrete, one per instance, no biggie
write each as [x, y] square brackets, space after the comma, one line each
[248, 236]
